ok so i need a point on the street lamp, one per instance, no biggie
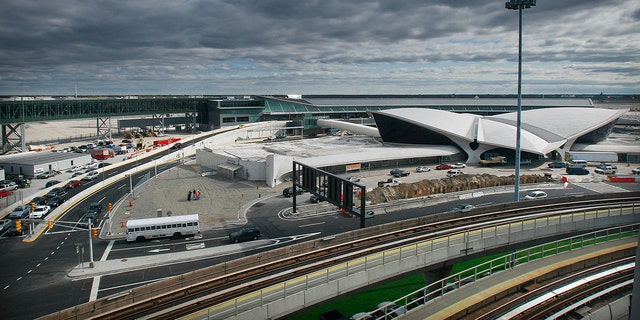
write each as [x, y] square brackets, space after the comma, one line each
[519, 5]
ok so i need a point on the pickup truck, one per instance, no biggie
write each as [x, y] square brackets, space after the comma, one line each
[389, 183]
[605, 170]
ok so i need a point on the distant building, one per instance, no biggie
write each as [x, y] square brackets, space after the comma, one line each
[31, 164]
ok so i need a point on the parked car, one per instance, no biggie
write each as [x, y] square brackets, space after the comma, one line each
[45, 175]
[454, 173]
[444, 166]
[577, 171]
[22, 182]
[558, 164]
[59, 191]
[459, 165]
[423, 169]
[288, 192]
[8, 185]
[75, 168]
[537, 194]
[399, 173]
[20, 212]
[465, 207]
[5, 193]
[56, 201]
[636, 170]
[39, 212]
[72, 184]
[246, 233]
[51, 183]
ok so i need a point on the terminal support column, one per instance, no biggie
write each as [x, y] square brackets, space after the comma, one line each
[103, 128]
[12, 139]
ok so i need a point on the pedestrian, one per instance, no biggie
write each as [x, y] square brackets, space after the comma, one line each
[189, 196]
[197, 194]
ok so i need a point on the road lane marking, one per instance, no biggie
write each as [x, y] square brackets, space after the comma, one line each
[312, 224]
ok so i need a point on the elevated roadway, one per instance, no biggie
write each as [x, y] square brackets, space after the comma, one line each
[299, 284]
[15, 114]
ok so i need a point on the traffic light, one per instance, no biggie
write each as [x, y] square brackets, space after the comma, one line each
[109, 206]
[33, 206]
[50, 224]
[18, 225]
[94, 232]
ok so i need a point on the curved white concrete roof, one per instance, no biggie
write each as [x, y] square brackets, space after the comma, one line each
[353, 127]
[565, 122]
[543, 130]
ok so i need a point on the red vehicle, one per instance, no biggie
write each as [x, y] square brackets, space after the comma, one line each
[444, 166]
[73, 183]
[102, 154]
[5, 193]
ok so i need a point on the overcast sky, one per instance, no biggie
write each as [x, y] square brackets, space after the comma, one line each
[316, 47]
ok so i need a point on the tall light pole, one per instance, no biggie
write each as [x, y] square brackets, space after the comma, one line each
[519, 5]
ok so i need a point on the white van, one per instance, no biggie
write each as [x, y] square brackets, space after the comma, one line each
[453, 173]
[578, 163]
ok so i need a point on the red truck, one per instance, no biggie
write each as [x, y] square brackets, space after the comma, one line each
[102, 154]
[164, 142]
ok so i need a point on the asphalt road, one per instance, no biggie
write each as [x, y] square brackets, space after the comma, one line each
[34, 275]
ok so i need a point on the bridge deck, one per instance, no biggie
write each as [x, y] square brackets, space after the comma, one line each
[458, 301]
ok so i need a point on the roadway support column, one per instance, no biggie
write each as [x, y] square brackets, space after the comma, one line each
[12, 139]
[191, 118]
[159, 126]
[103, 128]
[434, 276]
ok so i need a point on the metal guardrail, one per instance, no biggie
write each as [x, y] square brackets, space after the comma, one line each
[329, 277]
[509, 261]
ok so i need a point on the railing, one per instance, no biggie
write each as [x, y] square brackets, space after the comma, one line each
[423, 251]
[509, 261]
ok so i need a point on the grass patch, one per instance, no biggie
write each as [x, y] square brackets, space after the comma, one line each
[367, 301]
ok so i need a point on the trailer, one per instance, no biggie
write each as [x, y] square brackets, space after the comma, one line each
[498, 160]
[597, 157]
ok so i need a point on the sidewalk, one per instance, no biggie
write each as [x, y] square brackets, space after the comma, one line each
[222, 202]
[85, 270]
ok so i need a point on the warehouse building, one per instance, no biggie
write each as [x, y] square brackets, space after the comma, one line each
[31, 164]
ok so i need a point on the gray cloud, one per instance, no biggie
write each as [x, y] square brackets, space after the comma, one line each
[331, 46]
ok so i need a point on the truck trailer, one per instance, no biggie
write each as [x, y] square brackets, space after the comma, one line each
[102, 154]
[597, 157]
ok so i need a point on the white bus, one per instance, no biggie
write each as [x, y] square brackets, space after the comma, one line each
[175, 226]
